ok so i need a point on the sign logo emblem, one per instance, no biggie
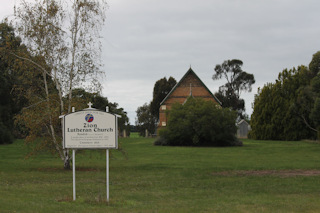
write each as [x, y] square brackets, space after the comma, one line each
[89, 118]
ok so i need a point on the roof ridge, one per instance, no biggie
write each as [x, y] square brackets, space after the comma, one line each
[184, 76]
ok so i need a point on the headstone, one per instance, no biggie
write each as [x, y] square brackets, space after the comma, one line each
[243, 129]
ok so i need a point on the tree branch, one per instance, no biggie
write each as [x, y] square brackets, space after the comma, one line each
[31, 61]
[34, 104]
[308, 125]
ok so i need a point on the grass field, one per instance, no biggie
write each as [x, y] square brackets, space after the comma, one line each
[261, 176]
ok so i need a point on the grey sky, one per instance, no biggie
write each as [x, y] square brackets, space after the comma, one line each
[145, 40]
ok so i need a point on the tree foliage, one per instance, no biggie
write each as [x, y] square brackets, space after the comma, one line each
[148, 114]
[199, 123]
[314, 65]
[7, 81]
[14, 87]
[237, 81]
[145, 120]
[67, 38]
[63, 39]
[160, 90]
[230, 100]
[81, 98]
[289, 108]
[6, 123]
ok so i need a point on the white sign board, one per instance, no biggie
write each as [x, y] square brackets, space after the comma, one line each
[90, 129]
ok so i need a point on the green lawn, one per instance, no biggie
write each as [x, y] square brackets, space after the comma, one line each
[261, 176]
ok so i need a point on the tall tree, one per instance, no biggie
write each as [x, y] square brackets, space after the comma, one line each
[282, 109]
[66, 39]
[145, 120]
[160, 90]
[237, 81]
[7, 78]
[12, 72]
[314, 94]
[314, 65]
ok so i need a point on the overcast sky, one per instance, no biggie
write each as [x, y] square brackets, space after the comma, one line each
[146, 40]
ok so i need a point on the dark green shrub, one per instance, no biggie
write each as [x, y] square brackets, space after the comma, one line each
[5, 134]
[199, 123]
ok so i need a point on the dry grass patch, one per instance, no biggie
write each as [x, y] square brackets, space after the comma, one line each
[279, 173]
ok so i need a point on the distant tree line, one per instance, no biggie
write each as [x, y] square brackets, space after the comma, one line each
[289, 108]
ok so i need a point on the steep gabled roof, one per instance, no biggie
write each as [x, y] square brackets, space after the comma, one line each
[190, 71]
[243, 121]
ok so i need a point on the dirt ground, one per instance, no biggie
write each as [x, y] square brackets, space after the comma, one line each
[280, 173]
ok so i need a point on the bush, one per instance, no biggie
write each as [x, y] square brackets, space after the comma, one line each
[199, 123]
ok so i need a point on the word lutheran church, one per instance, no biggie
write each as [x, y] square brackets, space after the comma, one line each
[189, 85]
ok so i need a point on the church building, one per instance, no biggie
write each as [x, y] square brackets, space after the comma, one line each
[189, 85]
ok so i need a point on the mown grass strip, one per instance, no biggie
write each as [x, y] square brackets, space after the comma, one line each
[166, 179]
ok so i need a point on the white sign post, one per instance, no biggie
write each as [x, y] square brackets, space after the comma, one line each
[90, 129]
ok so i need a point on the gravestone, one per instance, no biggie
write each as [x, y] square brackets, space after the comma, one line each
[243, 129]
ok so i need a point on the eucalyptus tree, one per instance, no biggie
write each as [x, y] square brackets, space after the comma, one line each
[237, 81]
[66, 36]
